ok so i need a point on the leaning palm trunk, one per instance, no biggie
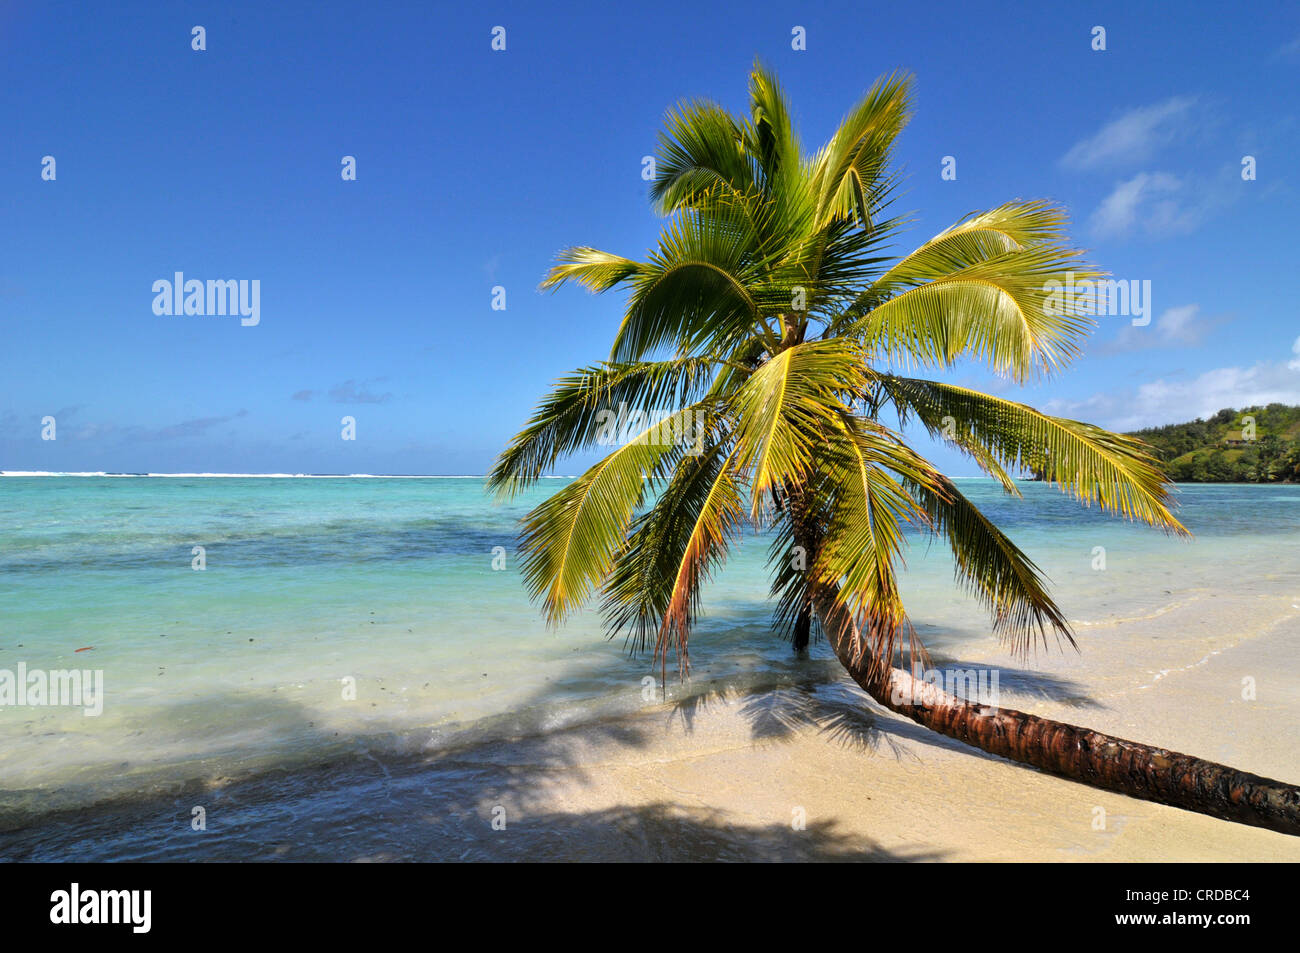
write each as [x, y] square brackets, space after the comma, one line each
[1080, 754]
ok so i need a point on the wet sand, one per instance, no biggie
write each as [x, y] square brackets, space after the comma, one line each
[807, 770]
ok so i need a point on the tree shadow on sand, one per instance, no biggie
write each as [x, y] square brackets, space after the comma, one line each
[827, 702]
[380, 794]
[492, 802]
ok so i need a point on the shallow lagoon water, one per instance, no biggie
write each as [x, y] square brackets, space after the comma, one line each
[389, 583]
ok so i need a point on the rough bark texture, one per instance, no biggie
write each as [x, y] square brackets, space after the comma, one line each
[1080, 754]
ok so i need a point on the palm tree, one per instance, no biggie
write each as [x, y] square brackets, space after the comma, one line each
[775, 331]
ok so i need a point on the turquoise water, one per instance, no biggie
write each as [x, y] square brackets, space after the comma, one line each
[390, 583]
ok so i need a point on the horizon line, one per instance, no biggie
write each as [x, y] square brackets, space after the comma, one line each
[278, 476]
[293, 476]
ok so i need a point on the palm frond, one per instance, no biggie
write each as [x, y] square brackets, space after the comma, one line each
[576, 415]
[769, 136]
[676, 545]
[570, 540]
[594, 269]
[992, 568]
[1117, 472]
[864, 528]
[979, 237]
[783, 410]
[694, 293]
[701, 152]
[1004, 311]
[850, 175]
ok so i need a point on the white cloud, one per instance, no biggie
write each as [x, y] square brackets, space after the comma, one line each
[1295, 349]
[1183, 326]
[1176, 401]
[1156, 203]
[1179, 325]
[1133, 137]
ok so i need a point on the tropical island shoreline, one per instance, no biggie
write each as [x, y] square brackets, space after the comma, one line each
[805, 770]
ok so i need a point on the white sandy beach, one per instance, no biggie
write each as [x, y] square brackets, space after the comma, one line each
[731, 776]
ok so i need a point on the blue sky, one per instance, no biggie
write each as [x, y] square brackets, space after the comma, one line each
[475, 167]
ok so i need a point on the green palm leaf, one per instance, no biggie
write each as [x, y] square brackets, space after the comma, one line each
[1002, 310]
[1118, 473]
[850, 176]
[992, 568]
[654, 587]
[571, 539]
[576, 415]
[784, 409]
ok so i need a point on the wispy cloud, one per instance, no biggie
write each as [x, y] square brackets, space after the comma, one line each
[1158, 204]
[1295, 349]
[1183, 326]
[194, 427]
[91, 431]
[1133, 137]
[349, 392]
[1119, 211]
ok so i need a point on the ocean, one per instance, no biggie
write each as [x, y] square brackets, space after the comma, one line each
[361, 617]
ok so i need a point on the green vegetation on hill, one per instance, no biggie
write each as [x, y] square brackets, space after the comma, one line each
[1251, 445]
